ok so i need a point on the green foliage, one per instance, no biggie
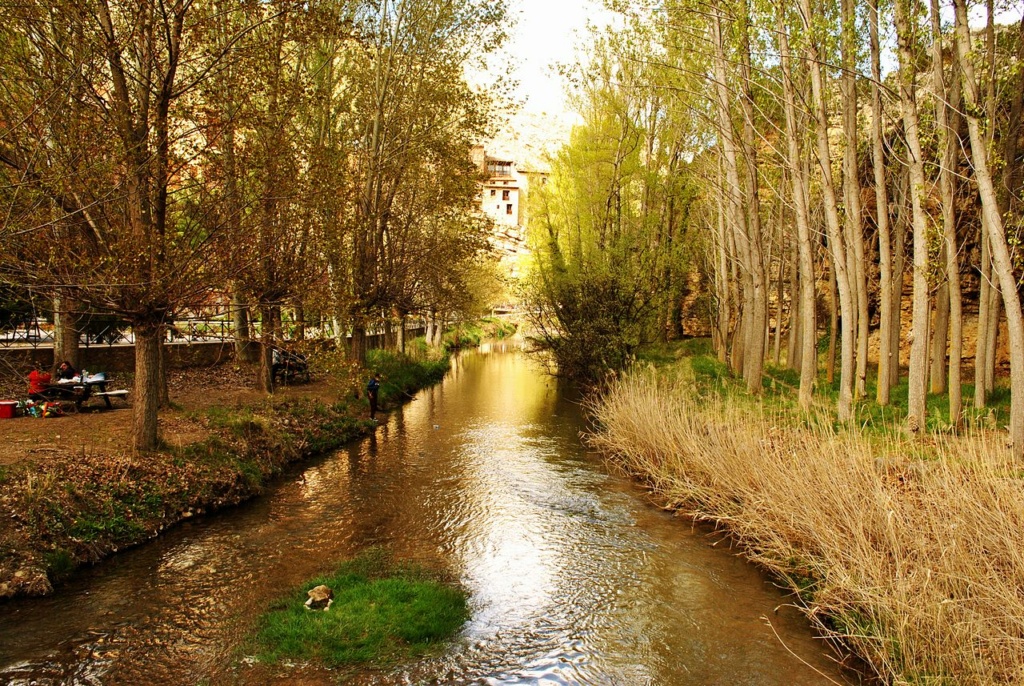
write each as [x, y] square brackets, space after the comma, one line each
[59, 563]
[382, 611]
[609, 229]
[471, 334]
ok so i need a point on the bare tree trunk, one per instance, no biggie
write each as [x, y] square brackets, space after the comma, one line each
[836, 244]
[984, 307]
[833, 326]
[357, 353]
[722, 283]
[146, 394]
[265, 373]
[795, 311]
[807, 351]
[300, 322]
[851, 192]
[899, 267]
[245, 351]
[995, 311]
[163, 392]
[780, 294]
[885, 350]
[747, 343]
[940, 340]
[65, 331]
[947, 103]
[916, 394]
[754, 368]
[403, 319]
[1001, 260]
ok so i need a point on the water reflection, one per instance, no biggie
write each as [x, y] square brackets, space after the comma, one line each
[573, 578]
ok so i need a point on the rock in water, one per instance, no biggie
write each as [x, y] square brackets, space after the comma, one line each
[320, 598]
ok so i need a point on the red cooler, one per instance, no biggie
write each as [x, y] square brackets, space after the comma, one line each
[7, 408]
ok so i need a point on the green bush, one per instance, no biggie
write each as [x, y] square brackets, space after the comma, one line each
[403, 375]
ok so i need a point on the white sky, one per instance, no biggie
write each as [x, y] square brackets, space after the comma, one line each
[547, 33]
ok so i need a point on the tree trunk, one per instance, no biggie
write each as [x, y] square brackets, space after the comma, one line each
[992, 332]
[65, 331]
[265, 373]
[723, 283]
[795, 311]
[780, 294]
[885, 349]
[1001, 260]
[163, 392]
[851, 192]
[916, 395]
[753, 369]
[403, 319]
[833, 327]
[300, 322]
[984, 307]
[245, 351]
[357, 351]
[899, 267]
[836, 244]
[940, 341]
[807, 354]
[145, 396]
[947, 104]
[747, 343]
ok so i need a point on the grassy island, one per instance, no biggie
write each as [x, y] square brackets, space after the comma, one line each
[382, 612]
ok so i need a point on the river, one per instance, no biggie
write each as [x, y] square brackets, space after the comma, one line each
[575, 578]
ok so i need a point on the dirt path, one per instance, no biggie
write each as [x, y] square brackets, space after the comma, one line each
[97, 429]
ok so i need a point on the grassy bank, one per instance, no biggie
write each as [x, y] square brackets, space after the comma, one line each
[382, 612]
[910, 554]
[75, 509]
[471, 334]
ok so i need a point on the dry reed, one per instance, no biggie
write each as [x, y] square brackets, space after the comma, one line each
[916, 564]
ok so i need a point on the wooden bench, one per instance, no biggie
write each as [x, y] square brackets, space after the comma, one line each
[107, 395]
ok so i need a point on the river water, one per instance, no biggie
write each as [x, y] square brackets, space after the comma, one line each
[574, 577]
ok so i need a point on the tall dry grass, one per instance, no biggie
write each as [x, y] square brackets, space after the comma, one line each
[916, 564]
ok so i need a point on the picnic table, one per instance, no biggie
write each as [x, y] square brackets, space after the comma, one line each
[79, 390]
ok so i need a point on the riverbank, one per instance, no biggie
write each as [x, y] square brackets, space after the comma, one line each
[72, 492]
[907, 553]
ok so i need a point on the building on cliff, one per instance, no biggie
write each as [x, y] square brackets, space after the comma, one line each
[503, 197]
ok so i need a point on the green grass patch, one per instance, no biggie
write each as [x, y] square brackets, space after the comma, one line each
[781, 384]
[383, 612]
[403, 375]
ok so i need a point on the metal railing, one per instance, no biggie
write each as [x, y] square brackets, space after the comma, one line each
[37, 334]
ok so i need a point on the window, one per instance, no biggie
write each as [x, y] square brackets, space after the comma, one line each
[492, 192]
[504, 195]
[508, 208]
[499, 168]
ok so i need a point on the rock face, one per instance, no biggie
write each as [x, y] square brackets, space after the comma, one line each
[320, 598]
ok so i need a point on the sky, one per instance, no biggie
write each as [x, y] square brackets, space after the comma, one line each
[545, 33]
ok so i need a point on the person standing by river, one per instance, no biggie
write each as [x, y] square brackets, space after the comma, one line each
[372, 391]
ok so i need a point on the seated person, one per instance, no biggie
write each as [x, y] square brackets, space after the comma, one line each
[38, 382]
[66, 371]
